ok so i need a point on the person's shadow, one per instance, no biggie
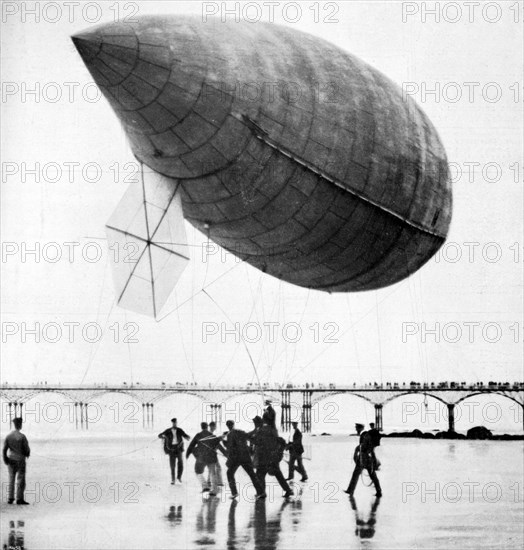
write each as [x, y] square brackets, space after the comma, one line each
[15, 538]
[206, 521]
[266, 531]
[174, 517]
[231, 526]
[365, 529]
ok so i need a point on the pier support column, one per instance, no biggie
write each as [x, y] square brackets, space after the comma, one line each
[149, 408]
[285, 418]
[10, 413]
[215, 414]
[218, 415]
[87, 422]
[143, 415]
[282, 411]
[152, 415]
[306, 411]
[451, 417]
[378, 417]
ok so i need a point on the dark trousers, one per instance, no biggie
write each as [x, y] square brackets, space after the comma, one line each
[232, 467]
[299, 467]
[272, 469]
[356, 473]
[16, 470]
[174, 457]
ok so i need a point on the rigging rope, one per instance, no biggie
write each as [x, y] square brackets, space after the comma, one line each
[92, 354]
[395, 289]
[243, 341]
[378, 336]
[189, 365]
[289, 368]
[198, 292]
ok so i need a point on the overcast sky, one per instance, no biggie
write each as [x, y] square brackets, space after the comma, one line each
[471, 294]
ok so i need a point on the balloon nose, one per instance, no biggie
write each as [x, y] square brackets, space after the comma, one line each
[88, 45]
[109, 54]
[153, 78]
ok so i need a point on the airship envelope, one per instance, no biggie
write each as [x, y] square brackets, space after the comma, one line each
[287, 151]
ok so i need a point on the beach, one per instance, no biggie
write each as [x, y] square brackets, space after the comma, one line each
[93, 492]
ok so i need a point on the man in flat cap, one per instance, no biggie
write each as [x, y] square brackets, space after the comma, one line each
[364, 459]
[296, 450]
[15, 453]
[238, 455]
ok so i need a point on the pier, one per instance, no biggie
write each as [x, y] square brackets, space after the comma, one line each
[284, 395]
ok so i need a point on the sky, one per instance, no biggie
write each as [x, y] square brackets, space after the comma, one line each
[458, 318]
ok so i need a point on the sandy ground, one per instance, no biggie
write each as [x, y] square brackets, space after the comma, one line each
[97, 493]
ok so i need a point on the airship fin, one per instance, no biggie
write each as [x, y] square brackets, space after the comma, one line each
[147, 238]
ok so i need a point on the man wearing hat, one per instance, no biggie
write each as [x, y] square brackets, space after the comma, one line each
[375, 441]
[204, 447]
[174, 447]
[238, 455]
[296, 450]
[270, 416]
[15, 453]
[364, 460]
[269, 449]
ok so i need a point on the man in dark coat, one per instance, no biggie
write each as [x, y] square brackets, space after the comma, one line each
[270, 416]
[174, 447]
[204, 446]
[269, 449]
[257, 424]
[238, 455]
[15, 453]
[364, 460]
[296, 450]
[375, 436]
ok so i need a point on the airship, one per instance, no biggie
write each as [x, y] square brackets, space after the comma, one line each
[289, 152]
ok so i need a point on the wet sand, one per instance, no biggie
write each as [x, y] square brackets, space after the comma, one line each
[95, 493]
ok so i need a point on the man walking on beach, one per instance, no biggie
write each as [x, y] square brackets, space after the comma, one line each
[375, 436]
[238, 455]
[296, 450]
[218, 468]
[174, 447]
[204, 446]
[269, 449]
[257, 424]
[16, 451]
[364, 460]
